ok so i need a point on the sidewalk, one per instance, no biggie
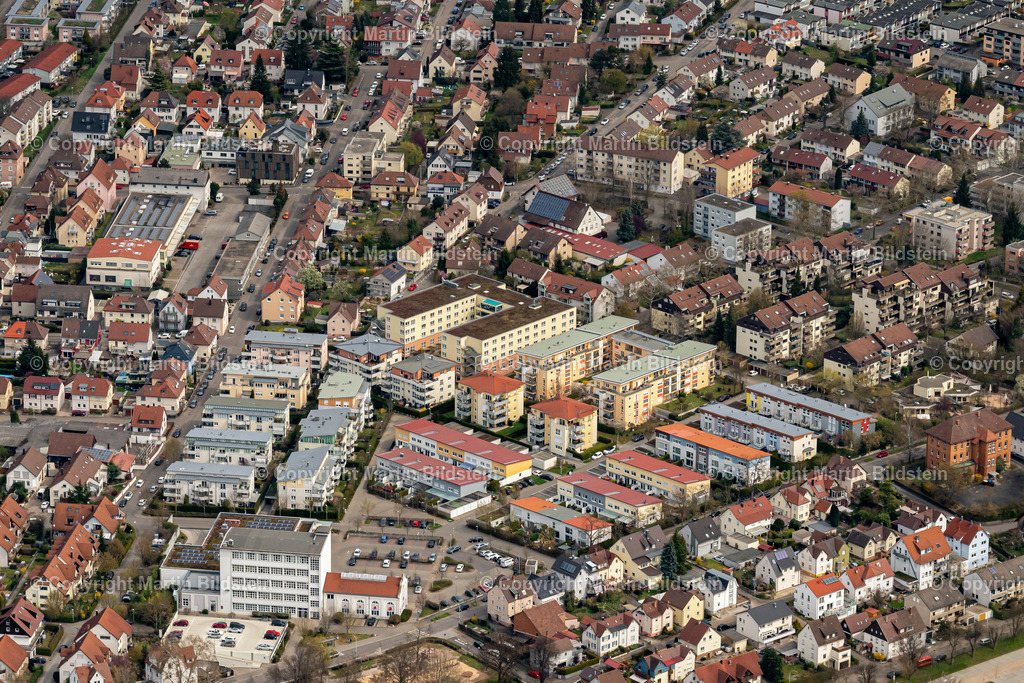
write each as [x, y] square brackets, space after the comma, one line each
[1003, 669]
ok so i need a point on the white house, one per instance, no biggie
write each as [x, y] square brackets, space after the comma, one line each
[923, 555]
[822, 596]
[751, 517]
[865, 580]
[968, 540]
[602, 637]
[889, 634]
[767, 623]
[719, 590]
[823, 643]
[365, 594]
[778, 569]
[884, 111]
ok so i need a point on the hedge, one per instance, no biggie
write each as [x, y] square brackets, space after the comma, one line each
[46, 648]
[562, 670]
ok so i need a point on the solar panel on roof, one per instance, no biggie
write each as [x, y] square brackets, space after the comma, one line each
[549, 206]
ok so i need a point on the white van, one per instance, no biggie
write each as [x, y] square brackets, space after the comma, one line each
[309, 173]
[219, 197]
[344, 131]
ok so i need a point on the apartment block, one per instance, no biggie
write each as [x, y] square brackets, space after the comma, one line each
[289, 347]
[876, 357]
[549, 368]
[732, 174]
[562, 425]
[979, 440]
[629, 164]
[650, 475]
[806, 205]
[949, 231]
[814, 413]
[402, 466]
[489, 400]
[307, 478]
[922, 298]
[569, 526]
[228, 446]
[199, 483]
[290, 383]
[464, 449]
[1003, 41]
[717, 211]
[712, 455]
[608, 500]
[788, 330]
[694, 309]
[776, 271]
[793, 443]
[422, 381]
[247, 414]
[628, 394]
[337, 428]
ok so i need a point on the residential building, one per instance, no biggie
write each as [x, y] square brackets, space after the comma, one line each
[823, 596]
[817, 414]
[979, 440]
[287, 348]
[306, 480]
[609, 500]
[968, 540]
[567, 525]
[266, 382]
[489, 400]
[211, 484]
[711, 455]
[996, 584]
[876, 357]
[451, 445]
[822, 642]
[807, 205]
[650, 475]
[949, 231]
[793, 443]
[562, 425]
[788, 330]
[422, 381]
[766, 624]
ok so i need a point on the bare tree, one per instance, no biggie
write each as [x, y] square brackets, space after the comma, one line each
[542, 656]
[992, 632]
[307, 665]
[176, 662]
[503, 657]
[1015, 621]
[866, 673]
[400, 665]
[911, 648]
[440, 665]
[953, 635]
[973, 637]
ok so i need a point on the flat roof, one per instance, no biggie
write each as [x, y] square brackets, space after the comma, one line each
[510, 318]
[452, 290]
[718, 443]
[343, 384]
[211, 434]
[608, 489]
[816, 404]
[769, 424]
[289, 338]
[151, 217]
[235, 259]
[206, 555]
[432, 467]
[467, 443]
[244, 403]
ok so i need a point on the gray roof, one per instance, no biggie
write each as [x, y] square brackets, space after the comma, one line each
[815, 404]
[252, 223]
[284, 338]
[549, 206]
[368, 344]
[887, 100]
[716, 581]
[768, 424]
[270, 405]
[215, 435]
[210, 470]
[304, 464]
[424, 362]
[769, 612]
[90, 122]
[704, 529]
[1017, 420]
[954, 62]
[324, 422]
[782, 560]
[151, 175]
[393, 272]
[939, 597]
[284, 542]
[559, 186]
[726, 203]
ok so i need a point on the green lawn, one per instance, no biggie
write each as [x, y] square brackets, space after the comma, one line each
[795, 673]
[964, 660]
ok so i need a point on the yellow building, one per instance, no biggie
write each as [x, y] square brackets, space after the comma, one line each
[337, 185]
[253, 128]
[465, 450]
[562, 425]
[489, 400]
[733, 173]
[628, 395]
[283, 300]
[419, 320]
[76, 229]
[394, 186]
[550, 367]
[6, 393]
[608, 500]
[686, 605]
[246, 380]
[651, 475]
[417, 255]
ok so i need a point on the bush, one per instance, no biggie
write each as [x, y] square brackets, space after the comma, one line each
[563, 670]
[406, 615]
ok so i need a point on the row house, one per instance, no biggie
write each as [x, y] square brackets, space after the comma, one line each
[747, 55]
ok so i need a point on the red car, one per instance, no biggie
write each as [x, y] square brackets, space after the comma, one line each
[367, 103]
[295, 20]
[533, 674]
[355, 92]
[271, 634]
[344, 117]
[181, 622]
[882, 454]
[220, 624]
[412, 287]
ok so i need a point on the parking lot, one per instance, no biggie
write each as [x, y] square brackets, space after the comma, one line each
[246, 649]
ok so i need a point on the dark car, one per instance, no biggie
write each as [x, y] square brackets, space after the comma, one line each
[278, 622]
[391, 555]
[351, 561]
[477, 644]
[638, 437]
[431, 544]
[177, 433]
[403, 564]
[401, 540]
[443, 603]
[391, 522]
[547, 477]
[722, 627]
[468, 593]
[159, 461]
[371, 621]
[723, 398]
[373, 554]
[243, 307]
[38, 660]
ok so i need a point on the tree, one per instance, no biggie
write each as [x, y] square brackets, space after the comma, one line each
[771, 666]
[911, 649]
[502, 11]
[859, 128]
[833, 516]
[589, 9]
[724, 137]
[253, 186]
[660, 80]
[536, 12]
[158, 80]
[972, 636]
[953, 635]
[503, 656]
[648, 64]
[413, 154]
[310, 277]
[796, 288]
[298, 51]
[669, 562]
[260, 83]
[309, 664]
[837, 181]
[866, 673]
[506, 74]
[214, 189]
[626, 231]
[872, 59]
[979, 88]
[720, 76]
[521, 11]
[80, 494]
[333, 61]
[32, 360]
[56, 604]
[113, 472]
[505, 259]
[962, 194]
[614, 80]
[1013, 230]
[702, 132]
[163, 163]
[542, 655]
